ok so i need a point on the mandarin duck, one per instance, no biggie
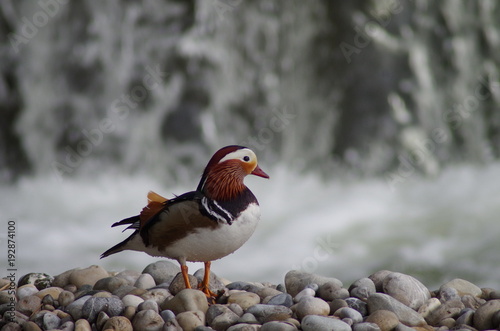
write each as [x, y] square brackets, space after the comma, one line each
[202, 225]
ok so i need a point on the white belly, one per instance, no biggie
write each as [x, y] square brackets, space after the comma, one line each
[207, 244]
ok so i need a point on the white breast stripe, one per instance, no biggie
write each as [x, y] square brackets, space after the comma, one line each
[204, 202]
[229, 216]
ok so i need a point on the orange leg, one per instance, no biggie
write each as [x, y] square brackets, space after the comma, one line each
[184, 270]
[204, 286]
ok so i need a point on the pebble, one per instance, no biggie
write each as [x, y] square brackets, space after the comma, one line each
[235, 308]
[214, 283]
[350, 313]
[330, 291]
[162, 271]
[406, 289]
[466, 317]
[93, 306]
[40, 280]
[31, 326]
[378, 279]
[282, 299]
[248, 318]
[358, 305]
[406, 315]
[67, 326]
[483, 318]
[245, 327]
[134, 301]
[365, 326]
[102, 317]
[307, 292]
[129, 275]
[362, 288]
[220, 317]
[178, 283]
[463, 287]
[265, 313]
[385, 319]
[28, 305]
[24, 291]
[54, 292]
[189, 320]
[62, 280]
[75, 308]
[145, 281]
[149, 304]
[244, 299]
[51, 321]
[118, 323]
[87, 276]
[278, 326]
[186, 300]
[82, 325]
[311, 306]
[147, 320]
[110, 284]
[296, 281]
[428, 307]
[451, 308]
[314, 323]
[157, 294]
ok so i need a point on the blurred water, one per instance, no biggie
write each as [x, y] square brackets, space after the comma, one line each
[434, 229]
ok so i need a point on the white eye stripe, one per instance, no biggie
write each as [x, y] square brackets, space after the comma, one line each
[239, 154]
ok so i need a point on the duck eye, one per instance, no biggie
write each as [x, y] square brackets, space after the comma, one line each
[246, 158]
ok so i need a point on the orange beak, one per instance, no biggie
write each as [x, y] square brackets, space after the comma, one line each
[259, 172]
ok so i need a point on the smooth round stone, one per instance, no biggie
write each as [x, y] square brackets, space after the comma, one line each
[51, 321]
[472, 302]
[145, 281]
[296, 281]
[314, 323]
[102, 317]
[110, 284]
[82, 325]
[75, 308]
[186, 300]
[24, 291]
[54, 292]
[337, 304]
[248, 318]
[220, 317]
[214, 282]
[12, 327]
[65, 298]
[129, 312]
[448, 293]
[235, 308]
[350, 313]
[428, 307]
[451, 308]
[307, 292]
[178, 283]
[129, 275]
[311, 306]
[62, 280]
[330, 291]
[147, 320]
[162, 271]
[118, 323]
[245, 327]
[483, 318]
[87, 276]
[362, 288]
[67, 326]
[278, 326]
[244, 299]
[189, 320]
[31, 326]
[111, 306]
[449, 323]
[385, 319]
[366, 326]
[266, 313]
[466, 317]
[406, 315]
[358, 305]
[133, 301]
[463, 287]
[149, 304]
[378, 279]
[157, 294]
[28, 305]
[282, 299]
[406, 289]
